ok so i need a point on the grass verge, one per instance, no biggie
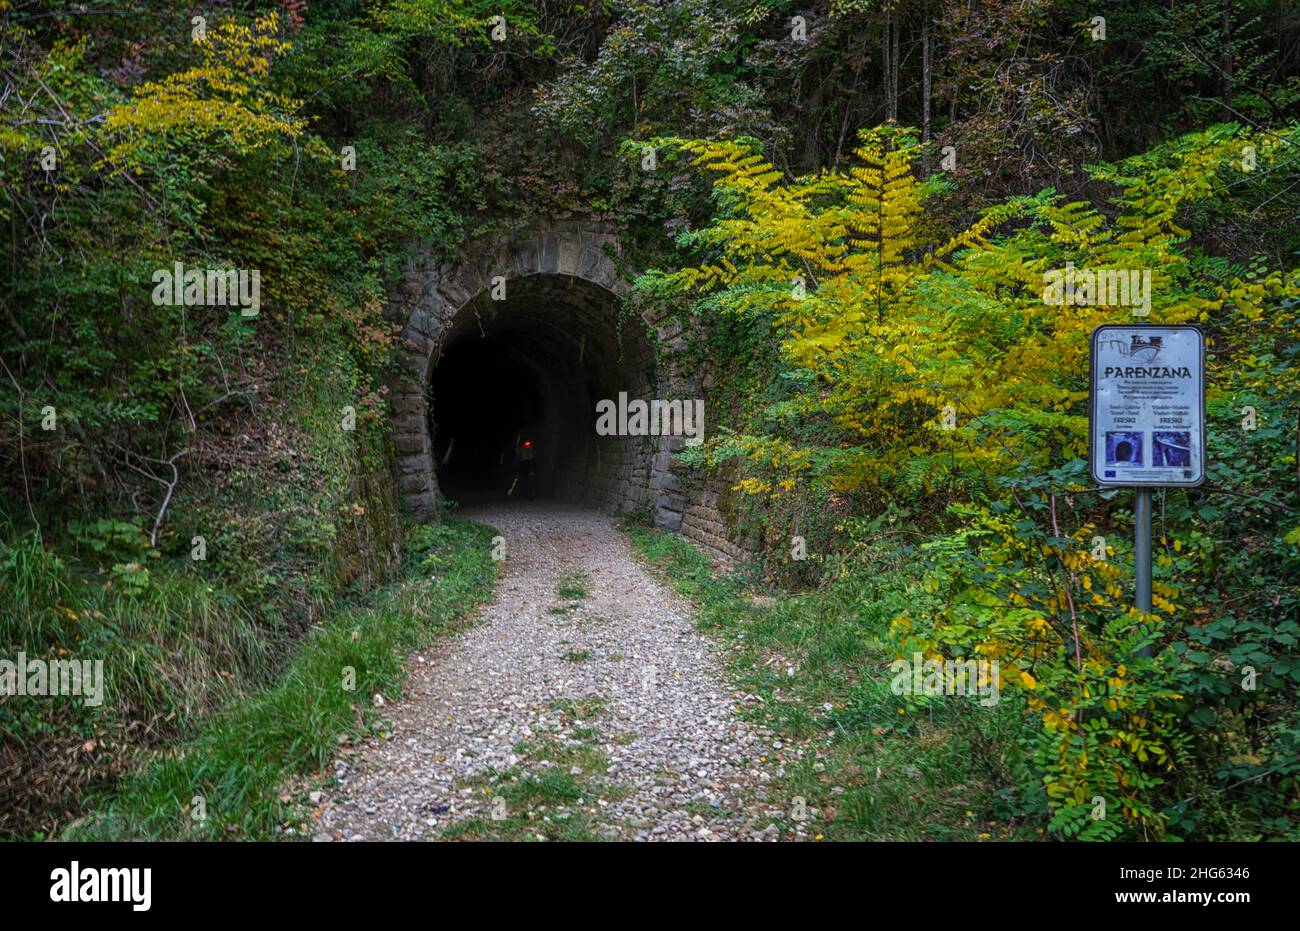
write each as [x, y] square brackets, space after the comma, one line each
[556, 793]
[232, 781]
[871, 769]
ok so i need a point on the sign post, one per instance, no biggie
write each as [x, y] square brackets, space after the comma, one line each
[1146, 421]
[1142, 548]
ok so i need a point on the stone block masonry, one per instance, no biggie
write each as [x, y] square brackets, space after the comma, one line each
[562, 317]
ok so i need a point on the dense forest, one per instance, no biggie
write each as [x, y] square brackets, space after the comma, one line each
[849, 206]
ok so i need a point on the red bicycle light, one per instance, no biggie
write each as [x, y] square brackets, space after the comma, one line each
[527, 443]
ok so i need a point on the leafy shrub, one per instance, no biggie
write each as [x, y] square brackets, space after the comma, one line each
[930, 375]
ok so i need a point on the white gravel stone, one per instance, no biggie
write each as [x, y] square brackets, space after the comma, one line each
[668, 720]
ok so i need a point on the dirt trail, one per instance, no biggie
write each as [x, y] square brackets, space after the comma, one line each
[611, 691]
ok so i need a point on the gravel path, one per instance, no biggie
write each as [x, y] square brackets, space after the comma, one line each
[611, 691]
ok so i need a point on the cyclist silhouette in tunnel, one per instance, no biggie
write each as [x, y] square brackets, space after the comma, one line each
[526, 460]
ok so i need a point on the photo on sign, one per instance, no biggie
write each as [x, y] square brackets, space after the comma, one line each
[1171, 448]
[1123, 447]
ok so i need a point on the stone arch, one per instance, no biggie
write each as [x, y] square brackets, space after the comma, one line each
[564, 319]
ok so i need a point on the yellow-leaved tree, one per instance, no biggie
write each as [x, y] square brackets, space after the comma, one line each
[953, 370]
[225, 97]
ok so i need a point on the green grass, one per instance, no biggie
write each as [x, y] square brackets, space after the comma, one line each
[554, 795]
[581, 709]
[873, 769]
[244, 757]
[577, 656]
[172, 650]
[290, 531]
[573, 586]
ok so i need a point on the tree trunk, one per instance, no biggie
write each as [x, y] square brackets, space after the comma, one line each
[884, 61]
[925, 99]
[1225, 32]
[893, 64]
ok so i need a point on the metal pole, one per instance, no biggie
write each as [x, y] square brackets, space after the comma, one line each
[1142, 554]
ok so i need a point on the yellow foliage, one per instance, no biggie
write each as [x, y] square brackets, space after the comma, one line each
[223, 96]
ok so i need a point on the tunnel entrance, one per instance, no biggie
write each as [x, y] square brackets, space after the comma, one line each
[490, 401]
[513, 391]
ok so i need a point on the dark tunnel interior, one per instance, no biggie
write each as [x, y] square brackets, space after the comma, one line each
[490, 401]
[513, 396]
